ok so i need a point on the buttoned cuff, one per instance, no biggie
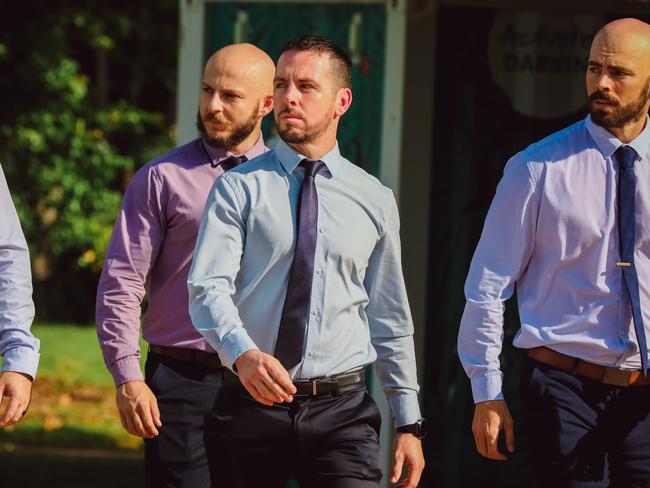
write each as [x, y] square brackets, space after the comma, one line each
[406, 409]
[236, 343]
[21, 360]
[486, 388]
[126, 369]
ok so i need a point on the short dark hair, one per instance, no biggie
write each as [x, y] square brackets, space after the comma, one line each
[340, 61]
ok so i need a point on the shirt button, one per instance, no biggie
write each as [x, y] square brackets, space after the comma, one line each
[315, 312]
[319, 271]
[321, 230]
[310, 354]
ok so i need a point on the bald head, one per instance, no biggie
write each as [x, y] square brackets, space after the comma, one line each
[630, 37]
[245, 63]
[618, 77]
[237, 93]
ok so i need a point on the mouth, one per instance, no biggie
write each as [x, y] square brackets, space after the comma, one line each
[604, 103]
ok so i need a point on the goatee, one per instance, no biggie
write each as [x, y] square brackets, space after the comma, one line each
[236, 136]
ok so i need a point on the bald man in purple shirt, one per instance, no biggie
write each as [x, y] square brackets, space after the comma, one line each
[150, 253]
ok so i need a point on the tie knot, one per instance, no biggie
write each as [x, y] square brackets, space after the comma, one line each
[312, 166]
[626, 157]
[231, 161]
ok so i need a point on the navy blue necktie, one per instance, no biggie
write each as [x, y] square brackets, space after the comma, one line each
[626, 157]
[231, 161]
[295, 315]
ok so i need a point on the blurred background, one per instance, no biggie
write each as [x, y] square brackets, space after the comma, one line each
[445, 91]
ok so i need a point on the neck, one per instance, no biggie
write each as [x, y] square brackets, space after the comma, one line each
[316, 149]
[628, 132]
[247, 143]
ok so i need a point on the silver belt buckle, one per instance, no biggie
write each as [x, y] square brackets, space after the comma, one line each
[617, 377]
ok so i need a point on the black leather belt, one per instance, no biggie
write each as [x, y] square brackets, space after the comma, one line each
[210, 359]
[329, 385]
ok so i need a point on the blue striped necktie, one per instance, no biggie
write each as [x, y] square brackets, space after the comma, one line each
[626, 157]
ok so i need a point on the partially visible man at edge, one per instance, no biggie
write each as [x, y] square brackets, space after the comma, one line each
[151, 252]
[18, 347]
[568, 227]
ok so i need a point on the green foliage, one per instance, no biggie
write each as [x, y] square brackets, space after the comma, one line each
[81, 111]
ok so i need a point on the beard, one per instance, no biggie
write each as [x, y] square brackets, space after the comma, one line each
[618, 116]
[236, 134]
[294, 135]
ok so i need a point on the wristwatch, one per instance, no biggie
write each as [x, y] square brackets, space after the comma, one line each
[418, 429]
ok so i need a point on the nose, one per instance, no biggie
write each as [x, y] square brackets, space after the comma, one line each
[604, 82]
[291, 94]
[215, 104]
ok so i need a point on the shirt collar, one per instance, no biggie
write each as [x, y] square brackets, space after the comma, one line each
[289, 158]
[218, 154]
[608, 143]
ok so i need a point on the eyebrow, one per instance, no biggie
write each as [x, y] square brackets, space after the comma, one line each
[596, 64]
[300, 80]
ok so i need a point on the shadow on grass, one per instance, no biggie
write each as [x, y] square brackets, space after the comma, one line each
[34, 468]
[67, 436]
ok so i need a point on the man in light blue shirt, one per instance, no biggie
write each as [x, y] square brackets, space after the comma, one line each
[557, 230]
[18, 347]
[299, 405]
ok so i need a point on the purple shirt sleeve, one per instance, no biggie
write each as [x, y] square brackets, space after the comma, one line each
[137, 236]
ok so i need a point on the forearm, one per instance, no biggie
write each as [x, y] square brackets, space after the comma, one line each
[397, 372]
[211, 281]
[480, 340]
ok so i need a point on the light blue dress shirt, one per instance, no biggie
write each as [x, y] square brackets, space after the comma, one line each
[552, 232]
[18, 347]
[359, 308]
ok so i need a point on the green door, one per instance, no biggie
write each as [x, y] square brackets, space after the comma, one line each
[359, 29]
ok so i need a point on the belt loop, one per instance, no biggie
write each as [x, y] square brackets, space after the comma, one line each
[574, 366]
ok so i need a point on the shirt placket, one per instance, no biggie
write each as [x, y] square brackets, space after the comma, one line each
[314, 326]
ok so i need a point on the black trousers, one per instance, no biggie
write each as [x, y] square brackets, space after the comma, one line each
[184, 454]
[322, 442]
[583, 433]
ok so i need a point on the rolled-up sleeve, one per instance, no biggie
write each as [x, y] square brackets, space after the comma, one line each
[390, 322]
[18, 347]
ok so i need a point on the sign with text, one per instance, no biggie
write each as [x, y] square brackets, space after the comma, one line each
[539, 60]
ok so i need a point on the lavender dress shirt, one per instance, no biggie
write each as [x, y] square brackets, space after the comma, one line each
[150, 252]
[18, 347]
[552, 232]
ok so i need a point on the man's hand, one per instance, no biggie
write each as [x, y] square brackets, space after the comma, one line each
[16, 391]
[489, 419]
[408, 452]
[264, 377]
[138, 409]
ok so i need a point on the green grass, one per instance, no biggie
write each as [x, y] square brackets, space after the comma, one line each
[72, 354]
[73, 402]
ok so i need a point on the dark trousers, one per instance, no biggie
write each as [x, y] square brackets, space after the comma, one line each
[584, 433]
[184, 454]
[323, 442]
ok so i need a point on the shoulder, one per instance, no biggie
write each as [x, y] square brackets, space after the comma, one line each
[555, 149]
[559, 145]
[369, 184]
[262, 167]
[183, 157]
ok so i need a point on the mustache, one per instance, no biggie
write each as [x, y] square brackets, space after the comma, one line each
[293, 113]
[602, 96]
[210, 116]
